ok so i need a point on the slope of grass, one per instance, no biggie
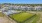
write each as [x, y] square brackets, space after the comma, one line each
[36, 18]
[21, 17]
[33, 19]
[30, 19]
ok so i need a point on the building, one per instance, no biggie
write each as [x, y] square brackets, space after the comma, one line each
[38, 8]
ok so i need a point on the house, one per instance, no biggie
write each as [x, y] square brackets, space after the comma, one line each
[38, 7]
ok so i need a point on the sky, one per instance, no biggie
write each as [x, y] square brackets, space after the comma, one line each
[22, 1]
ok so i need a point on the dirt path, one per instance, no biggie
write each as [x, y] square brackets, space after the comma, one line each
[6, 20]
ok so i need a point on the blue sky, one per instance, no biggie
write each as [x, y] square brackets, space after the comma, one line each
[22, 1]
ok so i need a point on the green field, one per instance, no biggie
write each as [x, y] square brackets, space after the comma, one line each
[22, 16]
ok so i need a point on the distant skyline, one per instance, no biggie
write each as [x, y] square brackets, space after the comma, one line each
[22, 1]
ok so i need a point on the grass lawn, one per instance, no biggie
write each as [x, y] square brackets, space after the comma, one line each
[21, 17]
[1, 14]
